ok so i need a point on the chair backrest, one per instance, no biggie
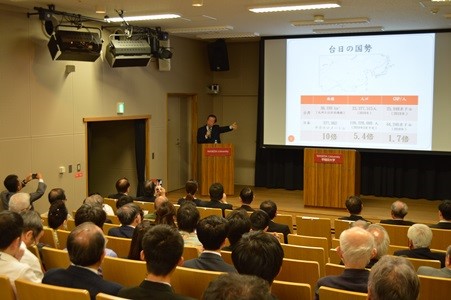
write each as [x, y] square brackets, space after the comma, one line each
[327, 293]
[45, 220]
[397, 234]
[108, 226]
[311, 241]
[208, 211]
[290, 271]
[417, 262]
[313, 226]
[440, 238]
[191, 282]
[190, 252]
[71, 224]
[434, 287]
[335, 243]
[47, 238]
[119, 245]
[291, 290]
[6, 289]
[284, 219]
[334, 258]
[103, 296]
[393, 248]
[305, 253]
[340, 226]
[147, 207]
[34, 249]
[227, 256]
[62, 238]
[27, 290]
[54, 258]
[334, 269]
[124, 271]
[114, 219]
[111, 202]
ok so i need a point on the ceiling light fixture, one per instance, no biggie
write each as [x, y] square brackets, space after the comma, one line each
[143, 18]
[315, 21]
[198, 3]
[348, 29]
[200, 29]
[294, 6]
[227, 35]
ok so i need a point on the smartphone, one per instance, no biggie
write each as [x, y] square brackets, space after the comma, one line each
[34, 175]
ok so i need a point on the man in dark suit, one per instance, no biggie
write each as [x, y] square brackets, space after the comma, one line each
[420, 238]
[271, 209]
[13, 185]
[130, 216]
[246, 196]
[398, 211]
[122, 188]
[218, 198]
[162, 251]
[211, 133]
[354, 205]
[86, 248]
[212, 232]
[444, 213]
[239, 223]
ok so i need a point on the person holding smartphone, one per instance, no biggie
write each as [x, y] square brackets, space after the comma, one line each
[14, 185]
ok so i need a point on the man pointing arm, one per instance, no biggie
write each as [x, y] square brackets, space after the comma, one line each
[211, 132]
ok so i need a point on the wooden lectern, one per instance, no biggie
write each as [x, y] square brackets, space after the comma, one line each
[330, 176]
[217, 164]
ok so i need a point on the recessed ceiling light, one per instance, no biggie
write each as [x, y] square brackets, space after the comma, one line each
[349, 29]
[314, 22]
[143, 18]
[227, 35]
[294, 6]
[198, 3]
[200, 29]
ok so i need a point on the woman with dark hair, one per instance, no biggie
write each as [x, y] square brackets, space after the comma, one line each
[136, 245]
[57, 218]
[165, 214]
[191, 189]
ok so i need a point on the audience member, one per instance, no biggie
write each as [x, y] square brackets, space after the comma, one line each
[270, 208]
[443, 272]
[98, 199]
[420, 238]
[382, 242]
[393, 278]
[354, 205]
[444, 214]
[149, 192]
[86, 248]
[19, 202]
[14, 185]
[356, 249]
[158, 201]
[218, 198]
[57, 218]
[129, 215]
[246, 197]
[162, 251]
[212, 232]
[231, 286]
[259, 220]
[165, 214]
[360, 223]
[191, 187]
[187, 218]
[11, 228]
[32, 232]
[398, 211]
[258, 254]
[138, 234]
[122, 188]
[239, 224]
[122, 200]
[56, 194]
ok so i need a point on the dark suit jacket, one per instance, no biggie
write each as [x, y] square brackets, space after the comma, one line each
[246, 207]
[423, 253]
[124, 231]
[116, 196]
[217, 204]
[441, 225]
[353, 218]
[196, 201]
[397, 222]
[209, 262]
[80, 278]
[282, 228]
[6, 195]
[149, 290]
[146, 198]
[355, 280]
[216, 131]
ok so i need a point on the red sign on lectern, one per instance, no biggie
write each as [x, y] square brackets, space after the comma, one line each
[218, 151]
[328, 158]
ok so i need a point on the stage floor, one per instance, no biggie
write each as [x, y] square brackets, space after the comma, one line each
[292, 202]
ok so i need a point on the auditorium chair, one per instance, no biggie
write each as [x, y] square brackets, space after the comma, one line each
[434, 287]
[397, 234]
[191, 282]
[27, 290]
[305, 253]
[327, 293]
[313, 226]
[208, 211]
[291, 290]
[299, 271]
[111, 202]
[311, 241]
[124, 271]
[62, 235]
[47, 238]
[108, 226]
[6, 289]
[103, 296]
[54, 258]
[119, 245]
[340, 226]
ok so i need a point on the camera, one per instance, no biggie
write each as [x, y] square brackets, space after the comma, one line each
[34, 175]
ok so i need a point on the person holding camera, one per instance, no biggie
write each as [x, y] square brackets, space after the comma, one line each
[14, 185]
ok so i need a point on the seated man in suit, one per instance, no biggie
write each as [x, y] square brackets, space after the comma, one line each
[356, 249]
[129, 215]
[162, 251]
[212, 232]
[259, 220]
[86, 248]
[239, 224]
[246, 196]
[354, 205]
[237, 286]
[218, 198]
[258, 253]
[420, 238]
[122, 188]
[270, 208]
[393, 278]
[443, 272]
[444, 214]
[398, 212]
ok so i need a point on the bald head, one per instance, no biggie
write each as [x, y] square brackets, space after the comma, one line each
[356, 247]
[399, 210]
[86, 245]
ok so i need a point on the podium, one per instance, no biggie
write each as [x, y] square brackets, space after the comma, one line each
[330, 176]
[217, 164]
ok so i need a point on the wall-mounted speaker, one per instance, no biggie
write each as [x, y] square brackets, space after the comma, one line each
[218, 56]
